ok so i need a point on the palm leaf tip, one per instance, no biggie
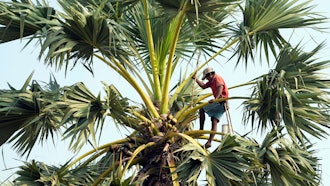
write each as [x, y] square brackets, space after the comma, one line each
[22, 19]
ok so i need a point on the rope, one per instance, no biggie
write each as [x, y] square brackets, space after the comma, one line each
[193, 84]
[229, 119]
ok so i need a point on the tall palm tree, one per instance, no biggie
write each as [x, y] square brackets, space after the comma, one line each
[148, 43]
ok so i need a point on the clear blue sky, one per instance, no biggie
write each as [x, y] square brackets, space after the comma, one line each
[16, 65]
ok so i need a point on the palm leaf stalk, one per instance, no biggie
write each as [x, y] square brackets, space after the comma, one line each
[177, 26]
[154, 66]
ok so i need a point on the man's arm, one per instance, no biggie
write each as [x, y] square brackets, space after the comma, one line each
[199, 82]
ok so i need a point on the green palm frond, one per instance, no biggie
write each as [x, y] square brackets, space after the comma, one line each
[38, 173]
[9, 125]
[287, 163]
[148, 42]
[19, 19]
[193, 161]
[229, 161]
[293, 95]
[263, 20]
[224, 166]
[118, 106]
[29, 114]
[86, 113]
[81, 32]
[29, 174]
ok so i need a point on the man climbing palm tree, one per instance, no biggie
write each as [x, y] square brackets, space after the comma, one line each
[215, 109]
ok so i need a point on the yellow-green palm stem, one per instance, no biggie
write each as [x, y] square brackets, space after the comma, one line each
[135, 153]
[164, 105]
[217, 53]
[242, 85]
[154, 65]
[138, 74]
[145, 70]
[201, 132]
[121, 141]
[94, 157]
[186, 121]
[106, 172]
[192, 141]
[124, 73]
[146, 99]
[172, 166]
[188, 110]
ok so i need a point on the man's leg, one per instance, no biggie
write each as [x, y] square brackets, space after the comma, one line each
[215, 122]
[201, 119]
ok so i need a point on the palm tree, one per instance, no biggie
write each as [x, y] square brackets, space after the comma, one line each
[148, 43]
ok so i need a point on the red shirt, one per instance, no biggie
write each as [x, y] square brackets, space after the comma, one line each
[215, 82]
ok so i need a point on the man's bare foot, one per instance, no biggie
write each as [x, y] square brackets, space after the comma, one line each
[207, 145]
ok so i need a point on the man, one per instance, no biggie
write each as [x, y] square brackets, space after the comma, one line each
[215, 109]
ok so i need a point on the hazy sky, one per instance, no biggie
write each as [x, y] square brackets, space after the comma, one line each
[16, 65]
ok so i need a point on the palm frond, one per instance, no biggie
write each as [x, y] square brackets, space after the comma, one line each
[263, 20]
[229, 161]
[192, 159]
[19, 19]
[86, 113]
[38, 173]
[81, 32]
[29, 114]
[293, 95]
[224, 166]
[287, 163]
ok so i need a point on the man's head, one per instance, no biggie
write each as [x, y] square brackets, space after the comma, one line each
[208, 73]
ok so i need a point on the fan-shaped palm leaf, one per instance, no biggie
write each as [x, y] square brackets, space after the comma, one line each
[229, 161]
[263, 20]
[29, 113]
[81, 32]
[287, 163]
[37, 173]
[86, 113]
[224, 166]
[23, 18]
[293, 94]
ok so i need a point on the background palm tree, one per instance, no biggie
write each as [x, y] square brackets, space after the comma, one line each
[148, 43]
